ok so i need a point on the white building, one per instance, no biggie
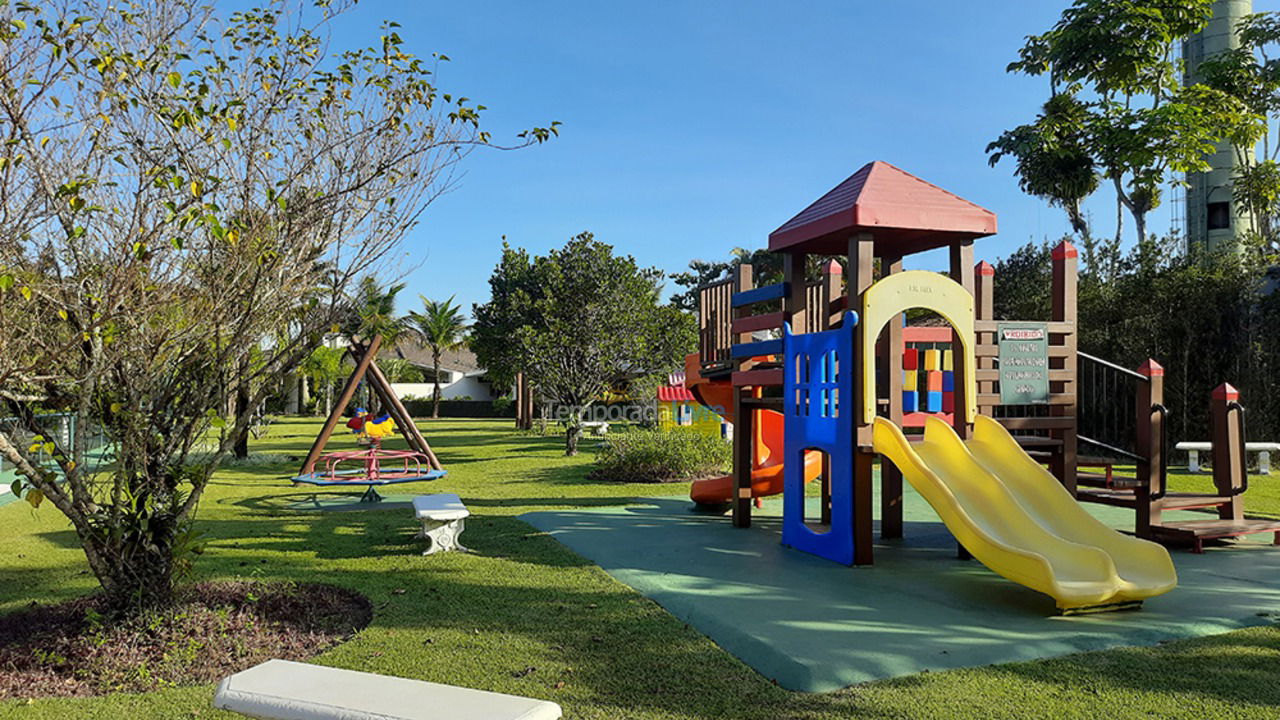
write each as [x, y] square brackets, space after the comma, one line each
[461, 377]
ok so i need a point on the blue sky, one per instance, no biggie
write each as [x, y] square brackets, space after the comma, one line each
[694, 127]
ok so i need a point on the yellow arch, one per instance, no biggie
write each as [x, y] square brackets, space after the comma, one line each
[887, 299]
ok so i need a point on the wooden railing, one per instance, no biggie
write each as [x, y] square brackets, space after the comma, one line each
[749, 354]
[731, 310]
[823, 301]
[715, 314]
[1052, 426]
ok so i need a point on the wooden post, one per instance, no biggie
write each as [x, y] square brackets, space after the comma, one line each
[825, 316]
[348, 391]
[794, 304]
[984, 276]
[891, 361]
[1064, 310]
[396, 409]
[859, 274]
[1226, 420]
[743, 458]
[961, 272]
[524, 419]
[1148, 496]
[744, 421]
[832, 273]
[742, 281]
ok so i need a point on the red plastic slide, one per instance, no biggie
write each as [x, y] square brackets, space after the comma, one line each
[766, 474]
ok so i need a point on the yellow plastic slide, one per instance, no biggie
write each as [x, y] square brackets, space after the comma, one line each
[1018, 520]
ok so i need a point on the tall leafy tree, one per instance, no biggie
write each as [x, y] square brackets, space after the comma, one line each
[180, 192]
[1129, 115]
[578, 321]
[1053, 159]
[324, 368]
[442, 327]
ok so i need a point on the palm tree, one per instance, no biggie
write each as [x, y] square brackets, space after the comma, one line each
[441, 326]
[374, 312]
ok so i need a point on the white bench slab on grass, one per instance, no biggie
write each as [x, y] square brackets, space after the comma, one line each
[442, 516]
[597, 427]
[1264, 450]
[284, 690]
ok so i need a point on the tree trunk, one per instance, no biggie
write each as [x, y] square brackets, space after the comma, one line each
[571, 437]
[135, 567]
[241, 448]
[435, 402]
[1119, 221]
[1140, 223]
[573, 434]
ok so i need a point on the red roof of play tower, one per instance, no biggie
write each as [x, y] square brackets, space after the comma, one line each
[904, 214]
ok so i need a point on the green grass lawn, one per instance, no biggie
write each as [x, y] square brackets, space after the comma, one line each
[525, 615]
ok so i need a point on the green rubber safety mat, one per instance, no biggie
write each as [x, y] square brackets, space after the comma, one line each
[817, 626]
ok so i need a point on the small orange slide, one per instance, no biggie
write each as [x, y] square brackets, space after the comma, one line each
[766, 475]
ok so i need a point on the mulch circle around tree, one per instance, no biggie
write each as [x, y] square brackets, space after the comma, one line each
[214, 630]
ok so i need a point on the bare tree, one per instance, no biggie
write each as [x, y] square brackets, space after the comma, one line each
[184, 203]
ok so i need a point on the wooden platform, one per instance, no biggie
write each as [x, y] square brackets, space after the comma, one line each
[1195, 532]
[1172, 501]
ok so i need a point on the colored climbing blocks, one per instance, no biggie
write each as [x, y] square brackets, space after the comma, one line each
[933, 402]
[948, 361]
[911, 359]
[932, 359]
[933, 381]
[911, 380]
[910, 401]
[948, 381]
[948, 402]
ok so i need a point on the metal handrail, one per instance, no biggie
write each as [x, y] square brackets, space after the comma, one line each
[1109, 448]
[1113, 366]
[1164, 450]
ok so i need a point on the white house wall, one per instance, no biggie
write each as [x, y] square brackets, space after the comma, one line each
[462, 387]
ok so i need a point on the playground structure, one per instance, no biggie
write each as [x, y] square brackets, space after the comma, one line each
[834, 366]
[677, 407]
[372, 466]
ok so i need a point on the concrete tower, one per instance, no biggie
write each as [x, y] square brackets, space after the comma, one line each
[1213, 218]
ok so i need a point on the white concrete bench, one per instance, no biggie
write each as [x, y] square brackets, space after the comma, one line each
[597, 427]
[1264, 450]
[284, 690]
[442, 516]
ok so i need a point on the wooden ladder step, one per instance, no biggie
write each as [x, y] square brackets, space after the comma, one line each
[1101, 480]
[1117, 498]
[1095, 461]
[758, 378]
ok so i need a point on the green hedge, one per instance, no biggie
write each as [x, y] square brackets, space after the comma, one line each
[643, 455]
[420, 409]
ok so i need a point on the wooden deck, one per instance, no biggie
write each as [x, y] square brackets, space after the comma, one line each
[1196, 532]
[1172, 501]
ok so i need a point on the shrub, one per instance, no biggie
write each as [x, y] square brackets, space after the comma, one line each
[661, 456]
